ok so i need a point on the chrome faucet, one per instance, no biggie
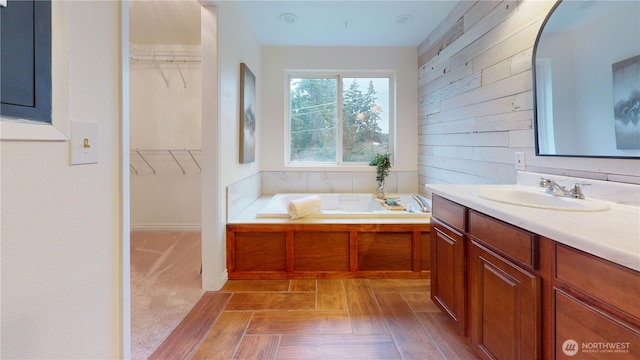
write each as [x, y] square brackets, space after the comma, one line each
[554, 189]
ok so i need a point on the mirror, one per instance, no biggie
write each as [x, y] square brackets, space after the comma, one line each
[587, 80]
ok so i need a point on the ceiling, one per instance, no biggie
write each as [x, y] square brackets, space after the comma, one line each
[315, 22]
[345, 23]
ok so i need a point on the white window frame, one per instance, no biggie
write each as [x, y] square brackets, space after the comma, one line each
[339, 75]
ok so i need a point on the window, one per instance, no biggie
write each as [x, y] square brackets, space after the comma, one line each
[25, 30]
[338, 119]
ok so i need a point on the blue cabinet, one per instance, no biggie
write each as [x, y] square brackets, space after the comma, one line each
[25, 60]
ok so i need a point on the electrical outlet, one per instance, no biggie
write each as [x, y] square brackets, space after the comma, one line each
[519, 160]
[84, 143]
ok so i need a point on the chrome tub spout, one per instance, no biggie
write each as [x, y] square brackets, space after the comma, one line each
[422, 202]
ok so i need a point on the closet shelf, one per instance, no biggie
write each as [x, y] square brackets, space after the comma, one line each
[165, 56]
[142, 160]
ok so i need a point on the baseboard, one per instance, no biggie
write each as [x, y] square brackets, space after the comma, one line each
[224, 277]
[166, 227]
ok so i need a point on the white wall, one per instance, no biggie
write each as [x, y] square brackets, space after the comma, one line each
[277, 60]
[61, 244]
[476, 100]
[165, 115]
[226, 42]
[237, 44]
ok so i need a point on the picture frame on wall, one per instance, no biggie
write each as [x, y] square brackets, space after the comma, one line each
[247, 115]
[626, 98]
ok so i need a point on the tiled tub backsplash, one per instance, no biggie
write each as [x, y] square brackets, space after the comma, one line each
[242, 194]
[335, 182]
[274, 182]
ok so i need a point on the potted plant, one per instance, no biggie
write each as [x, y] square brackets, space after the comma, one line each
[382, 162]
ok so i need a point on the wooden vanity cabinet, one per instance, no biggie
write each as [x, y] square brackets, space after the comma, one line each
[596, 307]
[518, 295]
[505, 294]
[448, 274]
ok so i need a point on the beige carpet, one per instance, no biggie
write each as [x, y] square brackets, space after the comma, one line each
[165, 285]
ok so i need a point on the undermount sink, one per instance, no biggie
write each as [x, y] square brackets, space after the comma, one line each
[535, 199]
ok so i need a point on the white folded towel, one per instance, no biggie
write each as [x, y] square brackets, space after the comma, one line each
[304, 206]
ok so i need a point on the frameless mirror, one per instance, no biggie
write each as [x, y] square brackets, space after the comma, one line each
[587, 80]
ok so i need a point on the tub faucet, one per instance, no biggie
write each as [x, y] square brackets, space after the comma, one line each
[554, 189]
[423, 205]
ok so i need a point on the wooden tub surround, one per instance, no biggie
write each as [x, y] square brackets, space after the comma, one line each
[324, 251]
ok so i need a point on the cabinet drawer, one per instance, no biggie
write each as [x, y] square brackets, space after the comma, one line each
[516, 243]
[601, 279]
[449, 212]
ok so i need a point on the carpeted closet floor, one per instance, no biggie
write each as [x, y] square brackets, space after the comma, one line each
[165, 285]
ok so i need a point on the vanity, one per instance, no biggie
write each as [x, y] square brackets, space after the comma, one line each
[531, 282]
[528, 274]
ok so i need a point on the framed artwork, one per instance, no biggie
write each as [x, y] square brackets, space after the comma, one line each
[247, 115]
[626, 102]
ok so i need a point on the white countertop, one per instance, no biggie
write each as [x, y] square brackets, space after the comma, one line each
[613, 234]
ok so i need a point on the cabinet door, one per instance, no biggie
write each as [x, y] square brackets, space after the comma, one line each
[505, 307]
[448, 272]
[585, 331]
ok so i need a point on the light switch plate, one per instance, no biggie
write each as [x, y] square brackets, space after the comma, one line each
[84, 144]
[519, 160]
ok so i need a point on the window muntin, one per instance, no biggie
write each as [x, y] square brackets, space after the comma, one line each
[342, 119]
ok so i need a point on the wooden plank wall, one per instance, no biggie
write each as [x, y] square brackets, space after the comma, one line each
[476, 100]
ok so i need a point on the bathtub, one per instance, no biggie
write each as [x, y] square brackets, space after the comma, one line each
[346, 206]
[353, 236]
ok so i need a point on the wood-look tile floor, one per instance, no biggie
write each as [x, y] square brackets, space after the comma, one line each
[316, 319]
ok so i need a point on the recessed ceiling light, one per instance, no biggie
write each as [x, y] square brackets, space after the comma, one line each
[288, 18]
[404, 19]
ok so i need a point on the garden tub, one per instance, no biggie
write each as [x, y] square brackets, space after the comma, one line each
[353, 236]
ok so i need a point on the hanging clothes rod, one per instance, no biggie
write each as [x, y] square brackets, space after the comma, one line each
[156, 57]
[164, 56]
[146, 154]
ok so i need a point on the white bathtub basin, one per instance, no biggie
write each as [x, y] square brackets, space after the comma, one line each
[344, 206]
[539, 199]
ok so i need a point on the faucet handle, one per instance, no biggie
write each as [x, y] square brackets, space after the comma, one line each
[576, 190]
[545, 182]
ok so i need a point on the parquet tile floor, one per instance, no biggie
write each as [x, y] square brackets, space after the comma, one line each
[316, 319]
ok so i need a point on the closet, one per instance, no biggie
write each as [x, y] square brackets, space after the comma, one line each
[165, 87]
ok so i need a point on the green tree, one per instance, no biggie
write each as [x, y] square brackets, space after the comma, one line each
[352, 104]
[313, 119]
[362, 135]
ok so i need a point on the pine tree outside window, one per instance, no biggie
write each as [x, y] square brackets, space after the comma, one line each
[338, 119]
